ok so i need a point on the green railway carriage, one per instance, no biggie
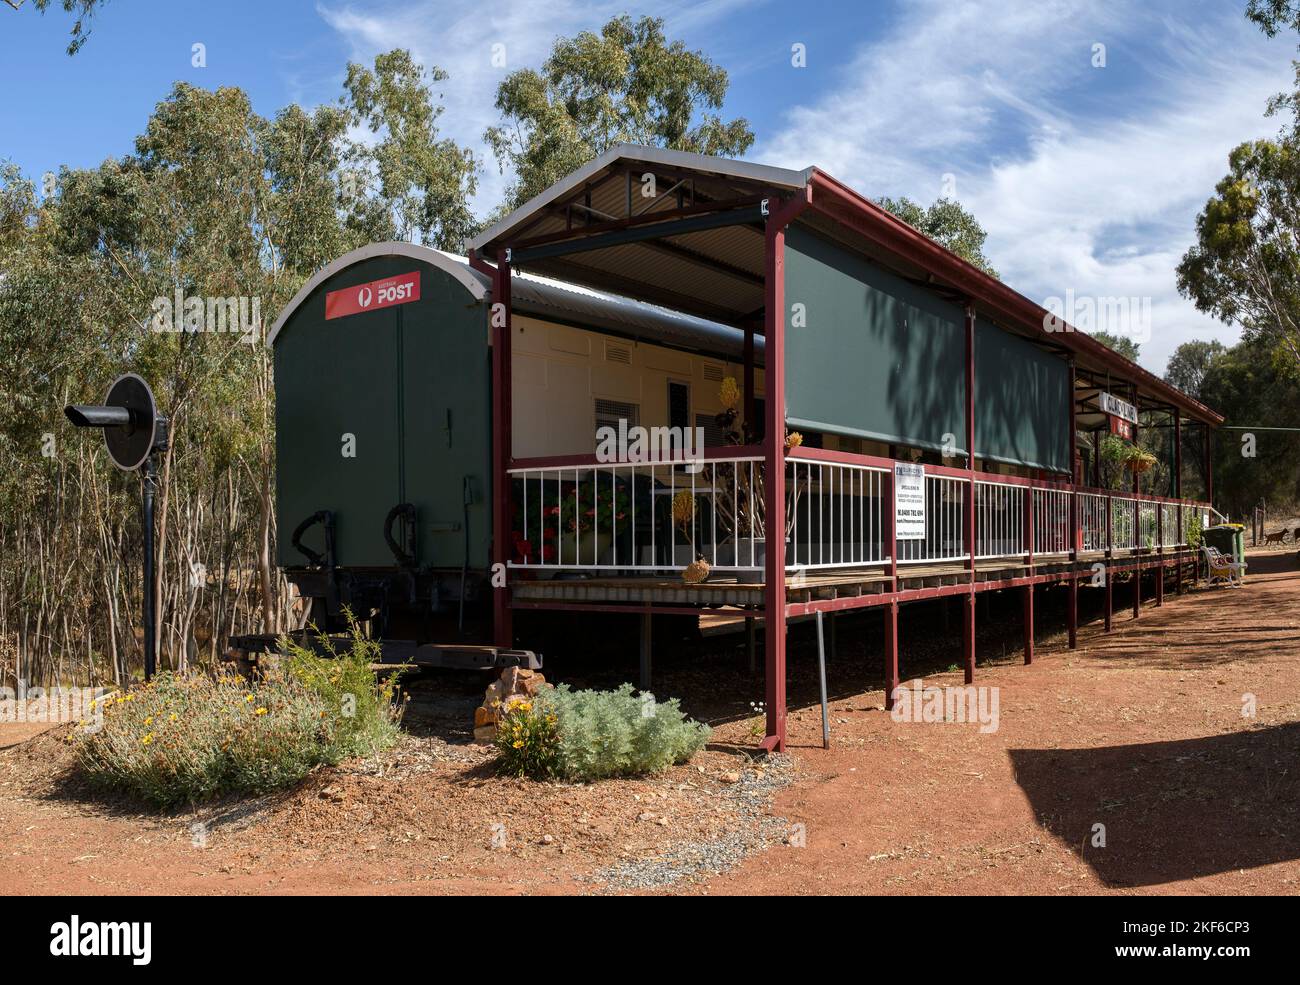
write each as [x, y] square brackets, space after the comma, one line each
[384, 427]
[439, 465]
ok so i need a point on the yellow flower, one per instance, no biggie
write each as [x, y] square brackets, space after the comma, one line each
[683, 507]
[149, 720]
[793, 440]
[147, 739]
[248, 697]
[261, 711]
[518, 743]
[171, 717]
[729, 393]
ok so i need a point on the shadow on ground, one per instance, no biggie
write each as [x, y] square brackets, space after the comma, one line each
[1171, 810]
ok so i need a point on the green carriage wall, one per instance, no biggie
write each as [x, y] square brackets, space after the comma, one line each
[412, 383]
[878, 357]
[1022, 401]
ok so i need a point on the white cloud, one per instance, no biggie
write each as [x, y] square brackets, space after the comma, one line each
[1100, 198]
[459, 38]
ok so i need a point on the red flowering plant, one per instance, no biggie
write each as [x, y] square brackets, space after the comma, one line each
[556, 509]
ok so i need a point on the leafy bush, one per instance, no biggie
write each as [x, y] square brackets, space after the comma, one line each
[529, 741]
[591, 735]
[359, 704]
[179, 740]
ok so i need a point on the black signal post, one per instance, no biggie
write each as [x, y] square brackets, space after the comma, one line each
[134, 432]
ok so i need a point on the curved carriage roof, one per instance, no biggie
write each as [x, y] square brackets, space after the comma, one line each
[546, 297]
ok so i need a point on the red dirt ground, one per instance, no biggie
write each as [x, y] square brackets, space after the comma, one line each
[1141, 731]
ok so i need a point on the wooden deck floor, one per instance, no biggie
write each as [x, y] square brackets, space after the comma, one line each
[721, 590]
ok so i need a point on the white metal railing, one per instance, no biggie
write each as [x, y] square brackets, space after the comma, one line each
[1092, 521]
[838, 518]
[999, 519]
[1170, 536]
[945, 523]
[1052, 521]
[1148, 525]
[644, 516]
[661, 515]
[1123, 523]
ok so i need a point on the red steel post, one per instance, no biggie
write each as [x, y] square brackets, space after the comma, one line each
[1108, 571]
[891, 653]
[968, 613]
[1029, 623]
[891, 615]
[1072, 610]
[774, 600]
[502, 411]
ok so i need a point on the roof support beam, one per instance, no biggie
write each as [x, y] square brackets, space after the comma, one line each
[639, 234]
[639, 291]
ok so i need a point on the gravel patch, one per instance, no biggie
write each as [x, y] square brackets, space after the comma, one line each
[694, 861]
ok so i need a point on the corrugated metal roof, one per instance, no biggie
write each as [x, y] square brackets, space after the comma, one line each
[612, 199]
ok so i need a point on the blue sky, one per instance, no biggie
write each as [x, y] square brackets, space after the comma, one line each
[1087, 178]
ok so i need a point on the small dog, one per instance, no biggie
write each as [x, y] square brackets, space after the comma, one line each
[1274, 538]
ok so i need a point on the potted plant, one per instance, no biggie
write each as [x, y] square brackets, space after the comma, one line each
[569, 522]
[1138, 461]
[683, 515]
[740, 500]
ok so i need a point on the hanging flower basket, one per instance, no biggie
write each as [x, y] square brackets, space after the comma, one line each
[1139, 461]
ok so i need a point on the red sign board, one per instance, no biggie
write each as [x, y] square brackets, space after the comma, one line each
[385, 293]
[1121, 427]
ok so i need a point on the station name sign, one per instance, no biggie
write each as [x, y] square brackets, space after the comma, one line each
[401, 289]
[1112, 405]
[1120, 414]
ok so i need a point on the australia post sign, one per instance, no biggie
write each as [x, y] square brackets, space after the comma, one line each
[376, 294]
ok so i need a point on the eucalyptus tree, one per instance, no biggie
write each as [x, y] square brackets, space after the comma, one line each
[170, 261]
[626, 84]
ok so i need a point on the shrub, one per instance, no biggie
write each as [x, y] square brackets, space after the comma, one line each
[179, 740]
[360, 705]
[591, 735]
[529, 741]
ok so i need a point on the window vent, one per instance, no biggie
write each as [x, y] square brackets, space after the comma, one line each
[714, 436]
[616, 352]
[713, 371]
[610, 412]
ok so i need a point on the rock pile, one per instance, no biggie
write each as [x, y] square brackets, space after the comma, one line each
[513, 682]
